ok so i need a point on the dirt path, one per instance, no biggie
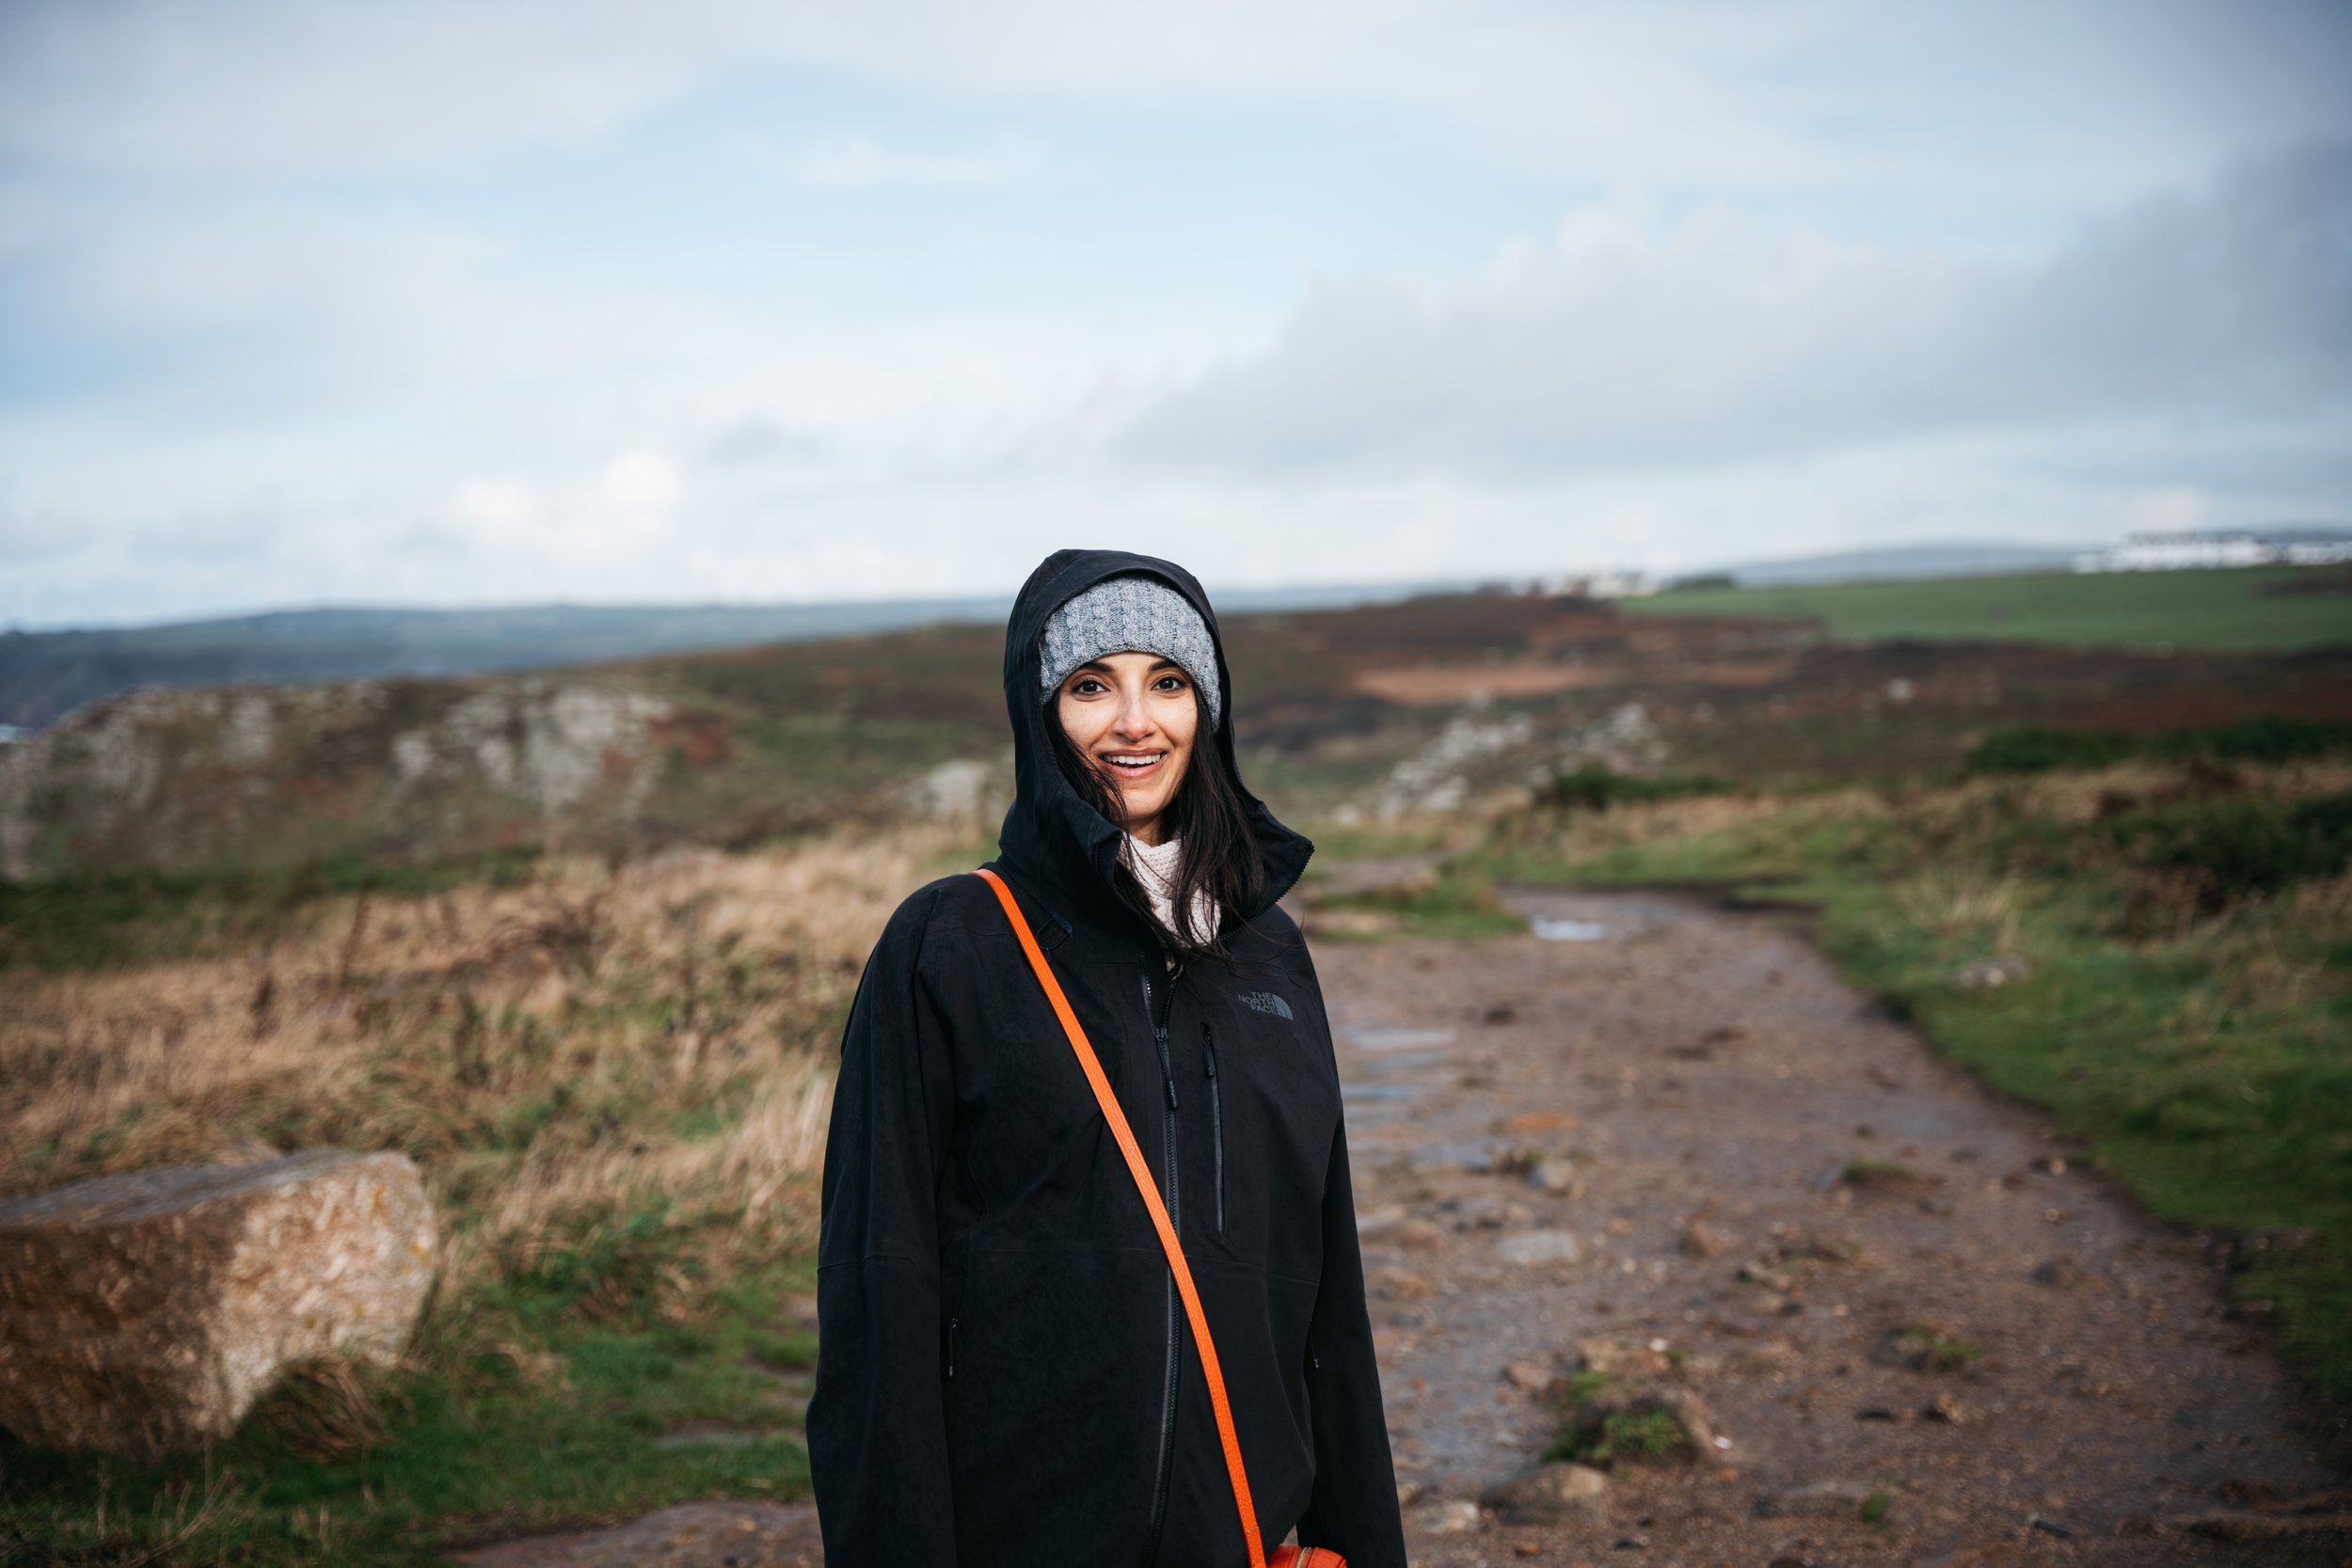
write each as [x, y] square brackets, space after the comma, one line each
[1670, 1140]
[1695, 1082]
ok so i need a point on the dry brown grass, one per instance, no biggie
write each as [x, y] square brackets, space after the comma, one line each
[1962, 906]
[592, 1042]
[1584, 833]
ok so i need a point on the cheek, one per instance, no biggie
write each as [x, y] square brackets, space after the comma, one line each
[1180, 728]
[1083, 723]
[1179, 721]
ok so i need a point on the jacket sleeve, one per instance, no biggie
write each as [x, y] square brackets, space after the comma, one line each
[877, 1437]
[1354, 1510]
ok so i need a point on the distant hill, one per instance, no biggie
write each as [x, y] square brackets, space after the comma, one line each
[1909, 561]
[46, 674]
[1370, 713]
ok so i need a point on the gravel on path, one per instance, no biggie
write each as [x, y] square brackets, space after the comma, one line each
[1672, 1143]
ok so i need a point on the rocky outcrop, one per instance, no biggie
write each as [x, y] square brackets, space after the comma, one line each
[179, 779]
[145, 1313]
[274, 779]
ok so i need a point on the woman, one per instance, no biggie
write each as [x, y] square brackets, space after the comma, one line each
[1005, 1376]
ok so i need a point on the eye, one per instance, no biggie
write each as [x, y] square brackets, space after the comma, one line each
[1087, 686]
[1170, 682]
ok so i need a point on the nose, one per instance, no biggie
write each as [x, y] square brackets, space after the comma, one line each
[1135, 720]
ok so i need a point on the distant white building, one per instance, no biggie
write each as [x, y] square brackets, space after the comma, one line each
[2190, 549]
[1603, 585]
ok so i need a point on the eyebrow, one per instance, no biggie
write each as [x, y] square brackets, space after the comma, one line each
[1156, 668]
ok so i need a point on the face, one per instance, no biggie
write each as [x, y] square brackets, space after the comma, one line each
[1132, 717]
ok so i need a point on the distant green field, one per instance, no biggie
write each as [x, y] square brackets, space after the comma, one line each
[2240, 609]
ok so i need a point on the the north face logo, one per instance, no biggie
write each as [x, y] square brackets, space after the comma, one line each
[1265, 1002]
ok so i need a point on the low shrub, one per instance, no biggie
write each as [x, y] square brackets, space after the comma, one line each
[2033, 749]
[2271, 741]
[1593, 787]
[2223, 851]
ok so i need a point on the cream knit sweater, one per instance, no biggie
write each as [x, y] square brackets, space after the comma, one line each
[1155, 866]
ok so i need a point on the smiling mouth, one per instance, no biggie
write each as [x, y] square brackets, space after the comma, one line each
[1132, 765]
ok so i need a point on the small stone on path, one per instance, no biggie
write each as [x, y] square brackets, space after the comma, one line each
[1400, 1285]
[1450, 1516]
[1538, 1247]
[1550, 1493]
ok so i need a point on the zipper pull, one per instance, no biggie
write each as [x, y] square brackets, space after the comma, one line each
[1208, 1050]
[1159, 1040]
[953, 1325]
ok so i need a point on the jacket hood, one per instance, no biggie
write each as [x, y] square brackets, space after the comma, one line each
[1052, 839]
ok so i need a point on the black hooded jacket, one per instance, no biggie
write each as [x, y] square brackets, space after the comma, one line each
[1005, 1376]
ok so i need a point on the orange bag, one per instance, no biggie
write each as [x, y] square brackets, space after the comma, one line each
[1287, 1557]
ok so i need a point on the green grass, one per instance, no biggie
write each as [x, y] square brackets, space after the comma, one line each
[1938, 1350]
[1449, 906]
[2184, 610]
[2190, 1034]
[1618, 1436]
[106, 920]
[523, 1412]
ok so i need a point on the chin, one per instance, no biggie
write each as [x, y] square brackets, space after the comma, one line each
[1141, 806]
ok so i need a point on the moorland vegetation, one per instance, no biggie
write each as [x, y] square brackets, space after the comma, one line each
[2156, 950]
[2114, 884]
[615, 1080]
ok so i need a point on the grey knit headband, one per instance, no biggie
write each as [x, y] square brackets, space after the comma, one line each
[1132, 614]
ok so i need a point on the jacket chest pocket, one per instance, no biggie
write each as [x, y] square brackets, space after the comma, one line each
[1216, 1117]
[1271, 1106]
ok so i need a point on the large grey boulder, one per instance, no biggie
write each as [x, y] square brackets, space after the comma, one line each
[145, 1313]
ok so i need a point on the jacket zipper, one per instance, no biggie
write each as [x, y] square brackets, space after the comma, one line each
[1216, 1116]
[952, 1324]
[1156, 1005]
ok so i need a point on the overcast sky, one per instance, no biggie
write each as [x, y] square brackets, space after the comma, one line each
[468, 302]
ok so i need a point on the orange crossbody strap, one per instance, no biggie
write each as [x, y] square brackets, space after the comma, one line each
[1169, 1244]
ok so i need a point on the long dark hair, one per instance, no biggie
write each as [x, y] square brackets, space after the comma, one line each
[1221, 856]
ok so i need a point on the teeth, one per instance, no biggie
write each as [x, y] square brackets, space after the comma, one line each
[1132, 761]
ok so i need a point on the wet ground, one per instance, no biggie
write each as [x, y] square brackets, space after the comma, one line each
[1668, 1140]
[1664, 1140]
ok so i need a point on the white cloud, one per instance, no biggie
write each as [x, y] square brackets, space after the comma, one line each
[29, 533]
[498, 509]
[628, 506]
[755, 438]
[1755, 90]
[639, 490]
[855, 162]
[305, 249]
[2170, 510]
[1628, 343]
